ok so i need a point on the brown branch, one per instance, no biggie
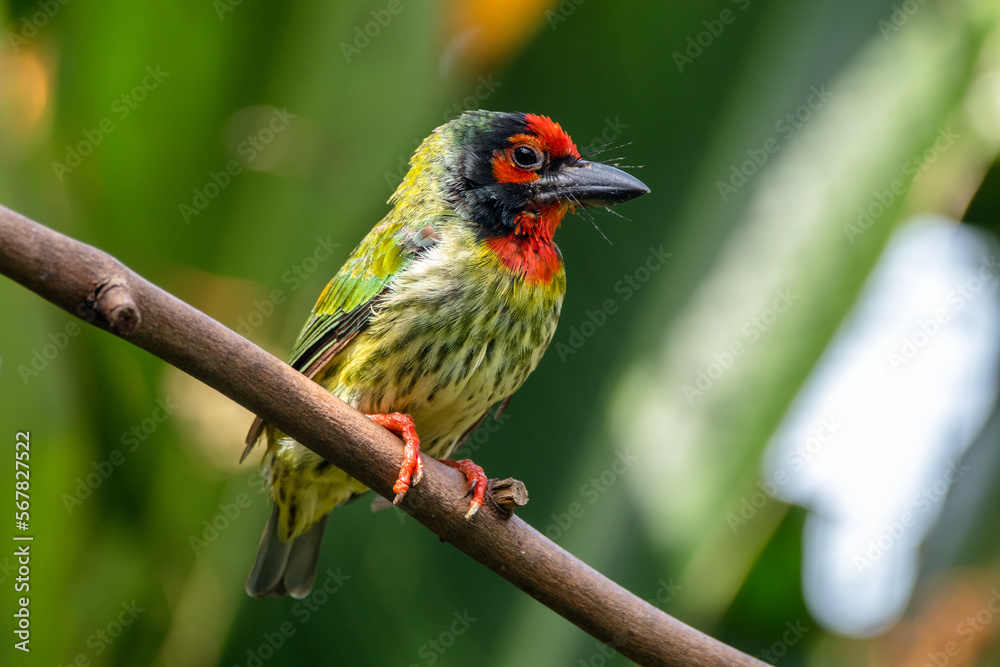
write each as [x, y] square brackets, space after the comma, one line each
[98, 288]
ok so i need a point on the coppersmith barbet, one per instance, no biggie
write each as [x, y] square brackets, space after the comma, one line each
[442, 311]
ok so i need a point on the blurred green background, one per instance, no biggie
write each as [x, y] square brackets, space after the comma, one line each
[235, 152]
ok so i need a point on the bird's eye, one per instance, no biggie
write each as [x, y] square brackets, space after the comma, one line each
[526, 157]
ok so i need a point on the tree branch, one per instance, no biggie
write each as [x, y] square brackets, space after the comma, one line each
[101, 290]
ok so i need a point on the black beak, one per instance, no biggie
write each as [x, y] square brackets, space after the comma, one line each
[588, 184]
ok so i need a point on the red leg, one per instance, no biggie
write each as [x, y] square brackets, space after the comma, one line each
[477, 482]
[403, 426]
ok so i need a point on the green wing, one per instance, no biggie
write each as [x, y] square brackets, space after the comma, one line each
[348, 302]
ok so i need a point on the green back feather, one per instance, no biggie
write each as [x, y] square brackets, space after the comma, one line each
[346, 305]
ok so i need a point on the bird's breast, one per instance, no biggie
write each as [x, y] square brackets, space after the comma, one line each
[458, 331]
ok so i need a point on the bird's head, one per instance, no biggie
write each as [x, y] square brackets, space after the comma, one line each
[496, 167]
[513, 166]
[514, 176]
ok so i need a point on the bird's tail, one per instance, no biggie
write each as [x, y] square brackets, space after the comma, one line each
[286, 568]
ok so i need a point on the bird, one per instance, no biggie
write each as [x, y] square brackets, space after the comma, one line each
[439, 314]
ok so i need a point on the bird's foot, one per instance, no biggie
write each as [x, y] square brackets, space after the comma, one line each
[477, 482]
[412, 467]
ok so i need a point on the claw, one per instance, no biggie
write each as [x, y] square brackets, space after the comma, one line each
[412, 467]
[477, 483]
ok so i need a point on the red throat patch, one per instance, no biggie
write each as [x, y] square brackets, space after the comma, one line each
[529, 250]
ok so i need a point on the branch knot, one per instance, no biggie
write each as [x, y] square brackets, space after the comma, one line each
[113, 301]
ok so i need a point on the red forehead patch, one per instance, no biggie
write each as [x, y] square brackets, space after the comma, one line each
[556, 141]
[544, 136]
